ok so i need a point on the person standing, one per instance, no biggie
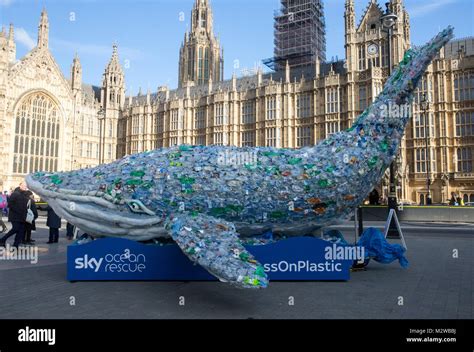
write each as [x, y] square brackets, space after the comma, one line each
[70, 231]
[460, 200]
[54, 224]
[3, 207]
[32, 226]
[18, 207]
[374, 197]
[2, 224]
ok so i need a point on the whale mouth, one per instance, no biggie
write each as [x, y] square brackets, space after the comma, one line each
[97, 216]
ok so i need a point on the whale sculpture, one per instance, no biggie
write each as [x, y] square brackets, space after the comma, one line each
[204, 199]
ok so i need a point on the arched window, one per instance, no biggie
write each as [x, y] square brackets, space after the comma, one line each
[19, 161]
[422, 199]
[465, 159]
[41, 113]
[471, 198]
[15, 150]
[465, 198]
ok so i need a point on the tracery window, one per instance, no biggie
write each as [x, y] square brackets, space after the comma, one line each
[36, 146]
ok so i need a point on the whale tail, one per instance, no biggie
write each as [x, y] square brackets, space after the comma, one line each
[411, 69]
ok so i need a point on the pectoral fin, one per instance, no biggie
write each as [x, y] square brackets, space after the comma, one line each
[214, 244]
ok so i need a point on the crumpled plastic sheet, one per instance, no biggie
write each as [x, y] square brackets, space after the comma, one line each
[377, 248]
[375, 245]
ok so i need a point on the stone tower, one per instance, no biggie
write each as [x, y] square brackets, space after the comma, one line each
[350, 31]
[112, 102]
[366, 43]
[76, 75]
[113, 84]
[200, 58]
[43, 30]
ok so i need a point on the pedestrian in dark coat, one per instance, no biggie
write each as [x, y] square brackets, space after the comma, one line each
[54, 224]
[32, 226]
[70, 231]
[18, 206]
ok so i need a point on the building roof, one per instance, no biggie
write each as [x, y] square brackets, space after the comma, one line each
[242, 84]
[464, 45]
[90, 93]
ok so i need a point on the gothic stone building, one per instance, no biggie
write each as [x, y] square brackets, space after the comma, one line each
[49, 122]
[297, 107]
[291, 108]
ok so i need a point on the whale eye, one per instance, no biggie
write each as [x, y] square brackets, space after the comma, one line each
[137, 207]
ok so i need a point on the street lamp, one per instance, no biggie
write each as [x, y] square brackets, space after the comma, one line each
[388, 21]
[101, 117]
[425, 106]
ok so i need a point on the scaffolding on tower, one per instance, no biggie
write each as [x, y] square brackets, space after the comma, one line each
[300, 34]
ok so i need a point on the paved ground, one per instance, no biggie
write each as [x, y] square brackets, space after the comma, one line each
[435, 286]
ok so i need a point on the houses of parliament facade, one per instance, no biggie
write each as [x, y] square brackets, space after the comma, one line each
[293, 107]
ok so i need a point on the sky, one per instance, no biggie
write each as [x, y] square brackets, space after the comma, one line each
[149, 33]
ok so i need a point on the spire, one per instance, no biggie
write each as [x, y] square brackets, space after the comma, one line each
[317, 68]
[259, 76]
[349, 16]
[76, 74]
[43, 30]
[76, 60]
[114, 63]
[113, 86]
[76, 66]
[11, 45]
[397, 6]
[287, 72]
[201, 17]
[11, 34]
[200, 43]
[350, 6]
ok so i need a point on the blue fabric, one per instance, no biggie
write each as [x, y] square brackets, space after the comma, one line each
[377, 248]
[375, 244]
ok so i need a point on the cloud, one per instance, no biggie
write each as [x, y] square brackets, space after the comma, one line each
[22, 37]
[428, 6]
[97, 50]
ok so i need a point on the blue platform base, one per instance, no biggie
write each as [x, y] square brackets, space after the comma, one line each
[114, 259]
